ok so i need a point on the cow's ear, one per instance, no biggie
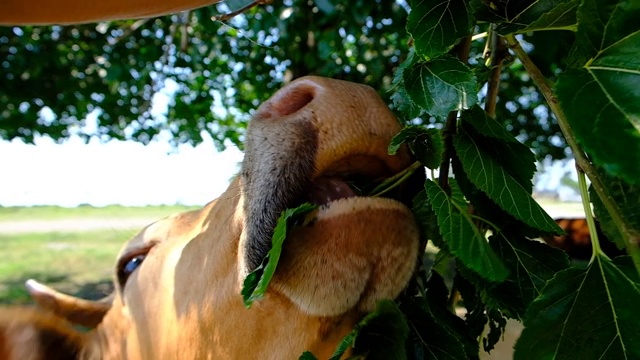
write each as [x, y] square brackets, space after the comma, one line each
[28, 334]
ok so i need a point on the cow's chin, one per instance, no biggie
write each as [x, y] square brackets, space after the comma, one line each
[355, 248]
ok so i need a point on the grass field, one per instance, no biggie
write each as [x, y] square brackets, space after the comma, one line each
[83, 212]
[77, 262]
[81, 262]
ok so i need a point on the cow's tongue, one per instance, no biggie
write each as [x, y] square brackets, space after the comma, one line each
[325, 190]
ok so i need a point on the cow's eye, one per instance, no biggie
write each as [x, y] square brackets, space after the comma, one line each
[128, 265]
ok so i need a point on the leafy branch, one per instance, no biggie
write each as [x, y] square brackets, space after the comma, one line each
[631, 238]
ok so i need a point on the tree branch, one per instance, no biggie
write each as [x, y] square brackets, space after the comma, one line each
[225, 17]
[461, 50]
[495, 52]
[630, 238]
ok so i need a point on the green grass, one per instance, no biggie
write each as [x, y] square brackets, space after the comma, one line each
[109, 212]
[78, 263]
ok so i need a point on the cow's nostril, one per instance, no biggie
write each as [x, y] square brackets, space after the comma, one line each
[287, 102]
[293, 101]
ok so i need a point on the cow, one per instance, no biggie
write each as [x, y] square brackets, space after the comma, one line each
[47, 12]
[178, 282]
[576, 240]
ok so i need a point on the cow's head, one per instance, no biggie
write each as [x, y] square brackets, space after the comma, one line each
[177, 283]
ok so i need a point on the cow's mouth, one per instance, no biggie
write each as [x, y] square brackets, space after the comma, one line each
[350, 177]
[359, 176]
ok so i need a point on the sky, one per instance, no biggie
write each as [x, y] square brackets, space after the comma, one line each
[131, 174]
[116, 172]
[101, 173]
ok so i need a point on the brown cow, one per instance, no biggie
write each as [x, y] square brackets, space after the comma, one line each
[43, 12]
[577, 240]
[178, 281]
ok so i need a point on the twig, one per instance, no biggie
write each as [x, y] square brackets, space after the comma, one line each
[495, 52]
[632, 243]
[596, 249]
[225, 17]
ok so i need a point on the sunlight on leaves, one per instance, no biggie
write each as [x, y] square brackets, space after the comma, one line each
[436, 25]
[441, 86]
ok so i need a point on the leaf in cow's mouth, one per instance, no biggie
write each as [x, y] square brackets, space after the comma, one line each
[381, 334]
[363, 186]
[391, 182]
[256, 283]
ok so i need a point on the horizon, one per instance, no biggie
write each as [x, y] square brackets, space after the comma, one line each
[125, 173]
[128, 173]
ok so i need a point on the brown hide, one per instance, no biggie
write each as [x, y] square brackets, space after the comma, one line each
[183, 301]
[577, 240]
[43, 12]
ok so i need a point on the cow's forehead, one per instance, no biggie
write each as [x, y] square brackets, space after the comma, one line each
[150, 235]
[172, 228]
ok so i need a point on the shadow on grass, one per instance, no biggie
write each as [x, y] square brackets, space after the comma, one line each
[13, 291]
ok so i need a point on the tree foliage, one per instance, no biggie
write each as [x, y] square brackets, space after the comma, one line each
[573, 66]
[483, 218]
[216, 73]
[220, 72]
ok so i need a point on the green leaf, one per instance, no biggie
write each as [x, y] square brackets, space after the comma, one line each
[435, 330]
[486, 125]
[601, 25]
[514, 157]
[538, 15]
[425, 144]
[625, 264]
[601, 109]
[401, 100]
[531, 265]
[256, 283]
[626, 198]
[486, 173]
[587, 313]
[600, 100]
[427, 219]
[476, 316]
[479, 315]
[440, 86]
[307, 355]
[437, 25]
[497, 324]
[461, 235]
[381, 334]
